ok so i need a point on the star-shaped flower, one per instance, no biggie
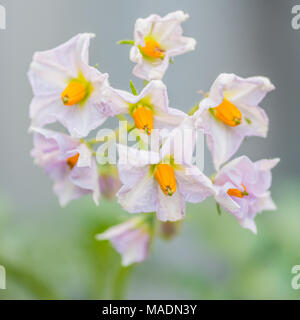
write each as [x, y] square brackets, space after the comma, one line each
[67, 89]
[161, 182]
[243, 189]
[156, 40]
[68, 162]
[230, 112]
[131, 239]
[149, 109]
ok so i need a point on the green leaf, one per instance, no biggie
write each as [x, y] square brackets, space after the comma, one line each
[130, 42]
[218, 209]
[133, 89]
[171, 61]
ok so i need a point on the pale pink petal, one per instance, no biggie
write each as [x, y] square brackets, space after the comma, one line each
[50, 73]
[66, 191]
[249, 91]
[168, 32]
[51, 151]
[256, 177]
[87, 178]
[223, 141]
[180, 142]
[255, 121]
[51, 69]
[131, 239]
[141, 197]
[266, 203]
[193, 184]
[225, 201]
[170, 208]
[147, 70]
[66, 145]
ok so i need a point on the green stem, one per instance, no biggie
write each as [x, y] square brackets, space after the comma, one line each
[121, 281]
[28, 280]
[218, 208]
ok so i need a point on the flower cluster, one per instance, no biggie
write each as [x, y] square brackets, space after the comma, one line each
[148, 178]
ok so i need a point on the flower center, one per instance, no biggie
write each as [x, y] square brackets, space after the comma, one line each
[165, 176]
[228, 113]
[72, 161]
[77, 92]
[143, 118]
[152, 49]
[74, 93]
[237, 193]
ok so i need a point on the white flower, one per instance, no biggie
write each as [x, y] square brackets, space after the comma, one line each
[67, 89]
[243, 189]
[68, 162]
[230, 112]
[150, 109]
[131, 239]
[161, 182]
[157, 39]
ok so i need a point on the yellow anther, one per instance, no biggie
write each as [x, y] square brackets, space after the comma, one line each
[165, 176]
[73, 160]
[143, 118]
[74, 93]
[152, 49]
[228, 113]
[237, 193]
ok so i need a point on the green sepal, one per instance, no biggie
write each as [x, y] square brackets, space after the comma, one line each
[193, 109]
[130, 42]
[133, 89]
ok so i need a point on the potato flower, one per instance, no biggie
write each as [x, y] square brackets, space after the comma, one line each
[161, 182]
[149, 109]
[68, 162]
[67, 89]
[131, 239]
[243, 189]
[156, 40]
[230, 112]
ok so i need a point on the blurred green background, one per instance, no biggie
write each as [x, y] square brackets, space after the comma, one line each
[55, 255]
[50, 252]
